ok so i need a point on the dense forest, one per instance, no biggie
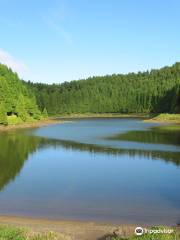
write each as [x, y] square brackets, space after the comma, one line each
[154, 91]
[17, 102]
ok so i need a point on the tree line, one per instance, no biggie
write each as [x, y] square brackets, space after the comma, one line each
[154, 91]
[17, 102]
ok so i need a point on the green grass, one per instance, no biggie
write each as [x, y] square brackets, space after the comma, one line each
[152, 236]
[7, 233]
[167, 117]
[13, 120]
[103, 115]
[14, 233]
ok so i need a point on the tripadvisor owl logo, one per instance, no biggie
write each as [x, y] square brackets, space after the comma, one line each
[139, 231]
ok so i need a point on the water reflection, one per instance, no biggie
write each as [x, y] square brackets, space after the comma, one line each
[14, 150]
[55, 172]
[153, 135]
[173, 157]
[16, 147]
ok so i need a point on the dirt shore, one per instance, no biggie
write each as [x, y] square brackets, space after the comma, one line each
[60, 119]
[102, 115]
[40, 123]
[75, 230]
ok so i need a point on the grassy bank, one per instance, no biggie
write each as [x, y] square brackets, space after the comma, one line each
[16, 233]
[103, 115]
[174, 236]
[166, 118]
[16, 123]
[30, 124]
[154, 233]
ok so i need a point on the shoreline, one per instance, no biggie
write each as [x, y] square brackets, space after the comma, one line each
[165, 118]
[63, 118]
[75, 229]
[36, 124]
[102, 115]
[163, 121]
[160, 118]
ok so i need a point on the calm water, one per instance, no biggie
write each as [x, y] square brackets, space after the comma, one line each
[114, 170]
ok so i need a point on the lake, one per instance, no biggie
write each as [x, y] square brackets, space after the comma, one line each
[109, 170]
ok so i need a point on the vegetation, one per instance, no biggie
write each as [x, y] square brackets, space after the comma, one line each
[148, 237]
[45, 113]
[167, 117]
[17, 102]
[12, 161]
[3, 114]
[153, 235]
[155, 135]
[157, 91]
[103, 115]
[13, 233]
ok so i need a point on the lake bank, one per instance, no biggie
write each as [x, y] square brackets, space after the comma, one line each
[162, 118]
[165, 118]
[102, 115]
[60, 119]
[35, 124]
[71, 230]
[44, 229]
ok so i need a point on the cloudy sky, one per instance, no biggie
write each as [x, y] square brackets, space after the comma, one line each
[62, 40]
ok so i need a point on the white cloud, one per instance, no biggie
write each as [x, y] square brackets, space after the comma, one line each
[16, 65]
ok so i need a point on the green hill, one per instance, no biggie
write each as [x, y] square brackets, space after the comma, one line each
[17, 103]
[155, 91]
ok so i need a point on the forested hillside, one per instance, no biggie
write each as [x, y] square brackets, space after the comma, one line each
[156, 91]
[17, 102]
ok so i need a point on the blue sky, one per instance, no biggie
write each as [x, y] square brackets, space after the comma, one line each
[62, 40]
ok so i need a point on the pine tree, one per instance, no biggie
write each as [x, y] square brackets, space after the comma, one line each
[3, 115]
[142, 92]
[17, 98]
[45, 113]
[21, 108]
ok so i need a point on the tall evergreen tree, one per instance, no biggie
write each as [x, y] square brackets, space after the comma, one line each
[21, 108]
[15, 97]
[3, 115]
[143, 92]
[45, 113]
